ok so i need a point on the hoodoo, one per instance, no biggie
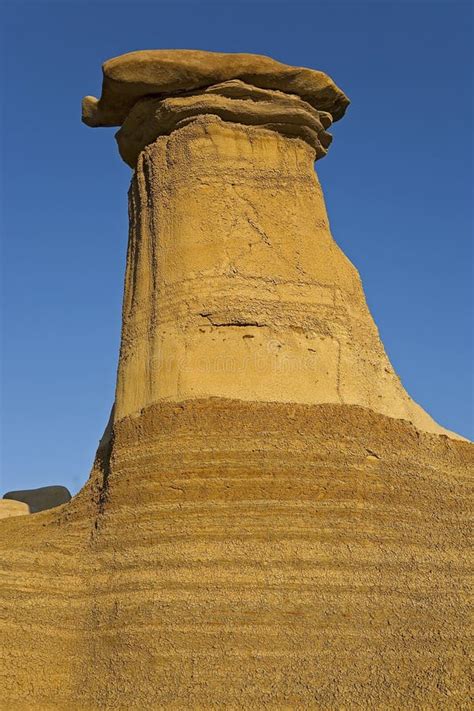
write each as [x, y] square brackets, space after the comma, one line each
[271, 521]
[234, 286]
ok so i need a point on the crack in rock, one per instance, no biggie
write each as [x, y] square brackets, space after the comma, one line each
[240, 323]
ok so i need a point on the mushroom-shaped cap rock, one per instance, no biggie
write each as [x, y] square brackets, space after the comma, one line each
[170, 72]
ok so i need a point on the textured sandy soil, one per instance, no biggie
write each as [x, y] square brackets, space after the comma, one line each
[240, 555]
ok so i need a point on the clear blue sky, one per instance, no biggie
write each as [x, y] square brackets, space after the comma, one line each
[397, 182]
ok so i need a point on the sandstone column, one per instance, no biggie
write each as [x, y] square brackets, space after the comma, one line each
[254, 533]
[234, 285]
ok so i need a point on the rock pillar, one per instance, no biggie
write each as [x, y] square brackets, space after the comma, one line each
[234, 285]
[254, 534]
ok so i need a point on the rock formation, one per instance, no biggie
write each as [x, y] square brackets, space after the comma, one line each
[234, 285]
[13, 508]
[270, 522]
[46, 497]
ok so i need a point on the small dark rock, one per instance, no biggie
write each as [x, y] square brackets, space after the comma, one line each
[46, 497]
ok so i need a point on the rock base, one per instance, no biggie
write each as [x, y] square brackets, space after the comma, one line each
[240, 555]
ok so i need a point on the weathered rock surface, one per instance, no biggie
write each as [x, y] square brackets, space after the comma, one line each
[165, 72]
[270, 522]
[13, 508]
[235, 287]
[45, 497]
[232, 101]
[243, 555]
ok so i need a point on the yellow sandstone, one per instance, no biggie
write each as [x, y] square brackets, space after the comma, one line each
[270, 522]
[9, 507]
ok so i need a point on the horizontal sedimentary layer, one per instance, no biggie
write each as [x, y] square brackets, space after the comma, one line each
[232, 101]
[237, 555]
[132, 76]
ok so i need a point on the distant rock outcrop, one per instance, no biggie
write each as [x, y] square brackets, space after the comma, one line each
[45, 497]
